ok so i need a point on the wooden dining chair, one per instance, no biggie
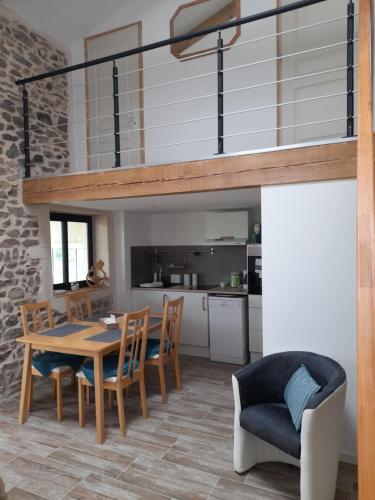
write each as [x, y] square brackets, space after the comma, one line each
[123, 368]
[160, 352]
[36, 317]
[78, 305]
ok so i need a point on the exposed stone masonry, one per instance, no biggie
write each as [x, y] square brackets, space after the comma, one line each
[24, 53]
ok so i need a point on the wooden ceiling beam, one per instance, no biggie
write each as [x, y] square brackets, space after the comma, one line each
[303, 164]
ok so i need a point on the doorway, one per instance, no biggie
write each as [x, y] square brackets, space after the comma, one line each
[99, 98]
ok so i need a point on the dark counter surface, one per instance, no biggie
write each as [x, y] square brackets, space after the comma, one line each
[210, 289]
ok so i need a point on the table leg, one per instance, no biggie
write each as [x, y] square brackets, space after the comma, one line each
[26, 381]
[99, 397]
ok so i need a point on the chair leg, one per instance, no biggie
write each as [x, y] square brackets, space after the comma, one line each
[87, 394]
[81, 404]
[177, 371]
[59, 410]
[142, 390]
[30, 401]
[163, 386]
[110, 400]
[121, 410]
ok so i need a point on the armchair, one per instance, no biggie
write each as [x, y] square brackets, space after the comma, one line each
[263, 428]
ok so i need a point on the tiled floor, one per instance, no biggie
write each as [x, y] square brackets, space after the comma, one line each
[182, 451]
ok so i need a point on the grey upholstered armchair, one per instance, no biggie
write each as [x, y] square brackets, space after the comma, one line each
[263, 428]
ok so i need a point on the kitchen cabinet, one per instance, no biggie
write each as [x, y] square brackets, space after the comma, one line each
[227, 224]
[148, 298]
[255, 325]
[194, 327]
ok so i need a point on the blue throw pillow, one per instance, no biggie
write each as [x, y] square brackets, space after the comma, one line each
[299, 389]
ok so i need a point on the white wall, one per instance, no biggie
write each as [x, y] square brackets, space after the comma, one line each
[155, 18]
[309, 277]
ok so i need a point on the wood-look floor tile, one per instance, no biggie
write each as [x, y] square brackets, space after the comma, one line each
[6, 456]
[38, 435]
[207, 429]
[98, 488]
[183, 450]
[152, 437]
[18, 446]
[227, 489]
[210, 447]
[40, 479]
[178, 431]
[93, 458]
[276, 477]
[204, 462]
[129, 445]
[169, 479]
[19, 494]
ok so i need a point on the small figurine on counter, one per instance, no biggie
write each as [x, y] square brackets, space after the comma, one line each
[96, 275]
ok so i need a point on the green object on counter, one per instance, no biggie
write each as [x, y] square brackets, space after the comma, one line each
[235, 279]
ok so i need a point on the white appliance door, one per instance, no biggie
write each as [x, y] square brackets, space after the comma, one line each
[226, 321]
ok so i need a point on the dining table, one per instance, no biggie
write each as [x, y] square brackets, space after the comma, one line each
[83, 338]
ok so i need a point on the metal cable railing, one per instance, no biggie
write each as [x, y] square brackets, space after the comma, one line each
[112, 126]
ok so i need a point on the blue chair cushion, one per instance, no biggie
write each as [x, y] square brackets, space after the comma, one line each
[298, 391]
[47, 361]
[272, 423]
[110, 365]
[153, 347]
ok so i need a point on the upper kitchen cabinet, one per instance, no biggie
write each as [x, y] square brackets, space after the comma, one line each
[227, 226]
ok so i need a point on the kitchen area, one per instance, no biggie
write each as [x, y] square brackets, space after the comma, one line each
[213, 259]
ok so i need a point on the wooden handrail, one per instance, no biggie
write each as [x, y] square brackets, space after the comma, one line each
[366, 260]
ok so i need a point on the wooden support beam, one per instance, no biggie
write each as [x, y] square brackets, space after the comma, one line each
[303, 164]
[366, 260]
[222, 16]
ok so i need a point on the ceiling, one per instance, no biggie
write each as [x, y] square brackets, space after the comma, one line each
[68, 21]
[194, 202]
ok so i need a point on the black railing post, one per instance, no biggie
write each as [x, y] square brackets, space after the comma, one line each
[220, 95]
[350, 72]
[26, 131]
[116, 117]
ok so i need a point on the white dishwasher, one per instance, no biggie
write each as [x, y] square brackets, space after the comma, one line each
[228, 329]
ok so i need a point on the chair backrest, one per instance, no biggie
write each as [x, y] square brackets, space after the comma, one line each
[32, 317]
[133, 343]
[78, 305]
[171, 327]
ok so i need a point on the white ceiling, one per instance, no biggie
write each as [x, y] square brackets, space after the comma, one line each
[67, 21]
[194, 202]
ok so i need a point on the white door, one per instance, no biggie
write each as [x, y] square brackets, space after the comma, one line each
[99, 96]
[306, 89]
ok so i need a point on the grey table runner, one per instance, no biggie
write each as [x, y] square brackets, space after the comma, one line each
[115, 334]
[64, 330]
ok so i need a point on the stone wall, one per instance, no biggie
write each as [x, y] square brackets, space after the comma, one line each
[24, 52]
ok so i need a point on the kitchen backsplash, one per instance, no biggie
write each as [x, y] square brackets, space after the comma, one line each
[211, 268]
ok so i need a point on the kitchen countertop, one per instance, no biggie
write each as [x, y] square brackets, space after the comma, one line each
[214, 290]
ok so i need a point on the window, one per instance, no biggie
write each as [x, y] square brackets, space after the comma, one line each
[71, 249]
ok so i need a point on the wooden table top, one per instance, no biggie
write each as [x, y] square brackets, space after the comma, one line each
[78, 343]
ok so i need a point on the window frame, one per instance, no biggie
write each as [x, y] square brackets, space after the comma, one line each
[65, 218]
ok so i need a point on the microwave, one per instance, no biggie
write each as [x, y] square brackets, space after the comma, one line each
[254, 269]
